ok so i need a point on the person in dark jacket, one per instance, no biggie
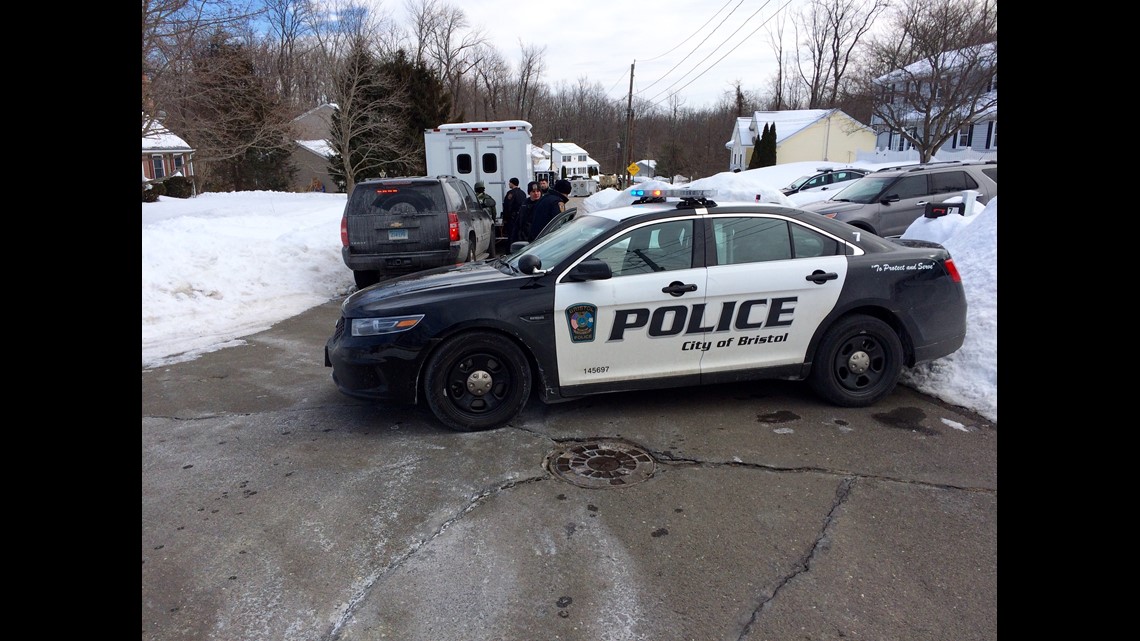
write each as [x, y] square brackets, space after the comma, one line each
[526, 212]
[512, 203]
[549, 206]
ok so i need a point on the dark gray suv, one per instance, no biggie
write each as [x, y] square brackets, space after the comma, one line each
[394, 226]
[887, 201]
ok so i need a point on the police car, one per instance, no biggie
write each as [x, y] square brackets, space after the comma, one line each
[672, 290]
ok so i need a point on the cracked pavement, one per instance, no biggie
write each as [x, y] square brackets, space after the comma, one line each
[275, 508]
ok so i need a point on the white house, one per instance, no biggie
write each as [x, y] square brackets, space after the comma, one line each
[801, 135]
[976, 140]
[568, 159]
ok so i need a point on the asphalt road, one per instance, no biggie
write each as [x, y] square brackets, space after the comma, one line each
[275, 508]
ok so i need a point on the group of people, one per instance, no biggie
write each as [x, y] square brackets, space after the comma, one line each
[525, 214]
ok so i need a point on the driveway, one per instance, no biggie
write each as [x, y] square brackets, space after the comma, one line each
[275, 508]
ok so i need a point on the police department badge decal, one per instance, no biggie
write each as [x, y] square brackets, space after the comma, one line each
[581, 320]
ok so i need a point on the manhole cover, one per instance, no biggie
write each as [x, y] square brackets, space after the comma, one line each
[603, 463]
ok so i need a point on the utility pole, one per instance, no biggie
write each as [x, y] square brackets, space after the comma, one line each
[629, 127]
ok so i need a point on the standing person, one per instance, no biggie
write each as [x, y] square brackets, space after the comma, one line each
[544, 186]
[512, 203]
[484, 198]
[526, 212]
[547, 208]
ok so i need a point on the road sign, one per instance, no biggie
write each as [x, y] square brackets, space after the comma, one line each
[633, 168]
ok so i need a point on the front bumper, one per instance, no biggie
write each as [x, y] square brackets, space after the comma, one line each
[375, 367]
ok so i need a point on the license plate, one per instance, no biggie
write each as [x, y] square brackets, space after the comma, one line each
[397, 234]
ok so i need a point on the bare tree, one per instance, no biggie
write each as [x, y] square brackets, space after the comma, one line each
[364, 132]
[935, 70]
[445, 42]
[832, 32]
[524, 91]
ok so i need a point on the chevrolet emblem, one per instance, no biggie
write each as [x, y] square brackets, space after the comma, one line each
[397, 224]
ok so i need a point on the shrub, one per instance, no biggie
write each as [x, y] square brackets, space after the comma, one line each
[178, 187]
[151, 192]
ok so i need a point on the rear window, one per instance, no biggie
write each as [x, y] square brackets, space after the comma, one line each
[397, 198]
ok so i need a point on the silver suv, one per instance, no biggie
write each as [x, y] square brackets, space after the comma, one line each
[887, 201]
[394, 226]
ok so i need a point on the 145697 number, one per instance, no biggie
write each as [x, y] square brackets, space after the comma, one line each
[596, 370]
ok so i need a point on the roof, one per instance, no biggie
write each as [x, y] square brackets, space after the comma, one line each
[319, 147]
[160, 139]
[788, 122]
[567, 148]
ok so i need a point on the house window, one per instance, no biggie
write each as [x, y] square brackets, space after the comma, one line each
[581, 157]
[178, 164]
[963, 137]
[159, 168]
[567, 158]
[991, 136]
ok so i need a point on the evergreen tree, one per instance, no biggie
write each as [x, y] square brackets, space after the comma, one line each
[240, 125]
[766, 150]
[426, 106]
[757, 146]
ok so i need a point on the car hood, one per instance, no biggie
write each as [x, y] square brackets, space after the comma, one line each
[431, 283]
[830, 206]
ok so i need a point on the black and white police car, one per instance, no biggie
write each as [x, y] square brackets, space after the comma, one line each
[672, 290]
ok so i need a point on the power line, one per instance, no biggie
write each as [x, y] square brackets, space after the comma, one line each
[718, 61]
[723, 20]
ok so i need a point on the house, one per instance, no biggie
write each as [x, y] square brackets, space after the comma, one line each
[311, 150]
[801, 135]
[976, 140]
[165, 155]
[566, 159]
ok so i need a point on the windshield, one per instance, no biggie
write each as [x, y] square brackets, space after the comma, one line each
[797, 182]
[555, 246]
[864, 190]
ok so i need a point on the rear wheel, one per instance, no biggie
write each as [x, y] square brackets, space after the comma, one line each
[477, 381]
[858, 362]
[365, 277]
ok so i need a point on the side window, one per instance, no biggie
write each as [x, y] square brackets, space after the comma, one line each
[490, 164]
[991, 172]
[909, 187]
[653, 248]
[463, 163]
[952, 181]
[751, 240]
[818, 181]
[159, 169]
[809, 243]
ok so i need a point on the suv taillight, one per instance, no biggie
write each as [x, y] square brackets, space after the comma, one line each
[453, 226]
[344, 230]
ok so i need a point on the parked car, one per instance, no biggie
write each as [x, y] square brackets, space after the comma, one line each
[887, 201]
[674, 290]
[396, 226]
[826, 179]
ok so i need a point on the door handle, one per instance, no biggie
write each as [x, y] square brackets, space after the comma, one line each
[819, 277]
[676, 288]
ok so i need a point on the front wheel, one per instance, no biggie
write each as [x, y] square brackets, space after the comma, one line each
[477, 381]
[858, 362]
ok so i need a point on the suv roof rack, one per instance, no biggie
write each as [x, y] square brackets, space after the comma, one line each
[937, 163]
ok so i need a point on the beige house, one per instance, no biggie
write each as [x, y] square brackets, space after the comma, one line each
[311, 150]
[801, 135]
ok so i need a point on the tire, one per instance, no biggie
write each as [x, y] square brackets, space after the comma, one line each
[477, 381]
[858, 362]
[365, 277]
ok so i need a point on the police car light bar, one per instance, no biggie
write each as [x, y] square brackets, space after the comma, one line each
[673, 193]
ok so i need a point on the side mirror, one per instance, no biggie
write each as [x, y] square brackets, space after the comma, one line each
[529, 264]
[590, 269]
[518, 245]
[890, 198]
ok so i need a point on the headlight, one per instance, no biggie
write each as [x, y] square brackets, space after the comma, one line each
[389, 325]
